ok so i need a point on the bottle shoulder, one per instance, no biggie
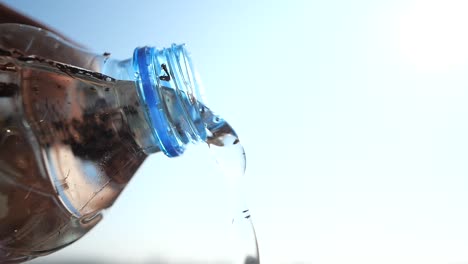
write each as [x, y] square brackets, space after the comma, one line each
[34, 41]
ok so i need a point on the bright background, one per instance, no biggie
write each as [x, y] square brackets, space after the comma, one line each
[353, 115]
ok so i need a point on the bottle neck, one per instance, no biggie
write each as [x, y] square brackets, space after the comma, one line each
[170, 95]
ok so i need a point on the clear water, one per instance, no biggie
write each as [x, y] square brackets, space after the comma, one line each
[68, 147]
[230, 156]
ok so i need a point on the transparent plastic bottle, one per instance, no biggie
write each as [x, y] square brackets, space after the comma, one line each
[74, 128]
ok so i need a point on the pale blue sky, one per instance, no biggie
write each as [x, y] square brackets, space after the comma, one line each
[352, 113]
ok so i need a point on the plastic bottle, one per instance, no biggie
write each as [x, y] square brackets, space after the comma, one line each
[74, 128]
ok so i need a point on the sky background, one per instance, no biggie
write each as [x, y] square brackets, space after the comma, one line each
[352, 115]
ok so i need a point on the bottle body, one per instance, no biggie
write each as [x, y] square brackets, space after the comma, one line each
[68, 147]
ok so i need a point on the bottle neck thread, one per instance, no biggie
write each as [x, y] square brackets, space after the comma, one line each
[170, 91]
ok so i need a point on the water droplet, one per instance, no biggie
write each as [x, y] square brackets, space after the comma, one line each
[8, 67]
[10, 135]
[91, 218]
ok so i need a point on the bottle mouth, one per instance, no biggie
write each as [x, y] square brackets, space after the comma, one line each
[169, 87]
